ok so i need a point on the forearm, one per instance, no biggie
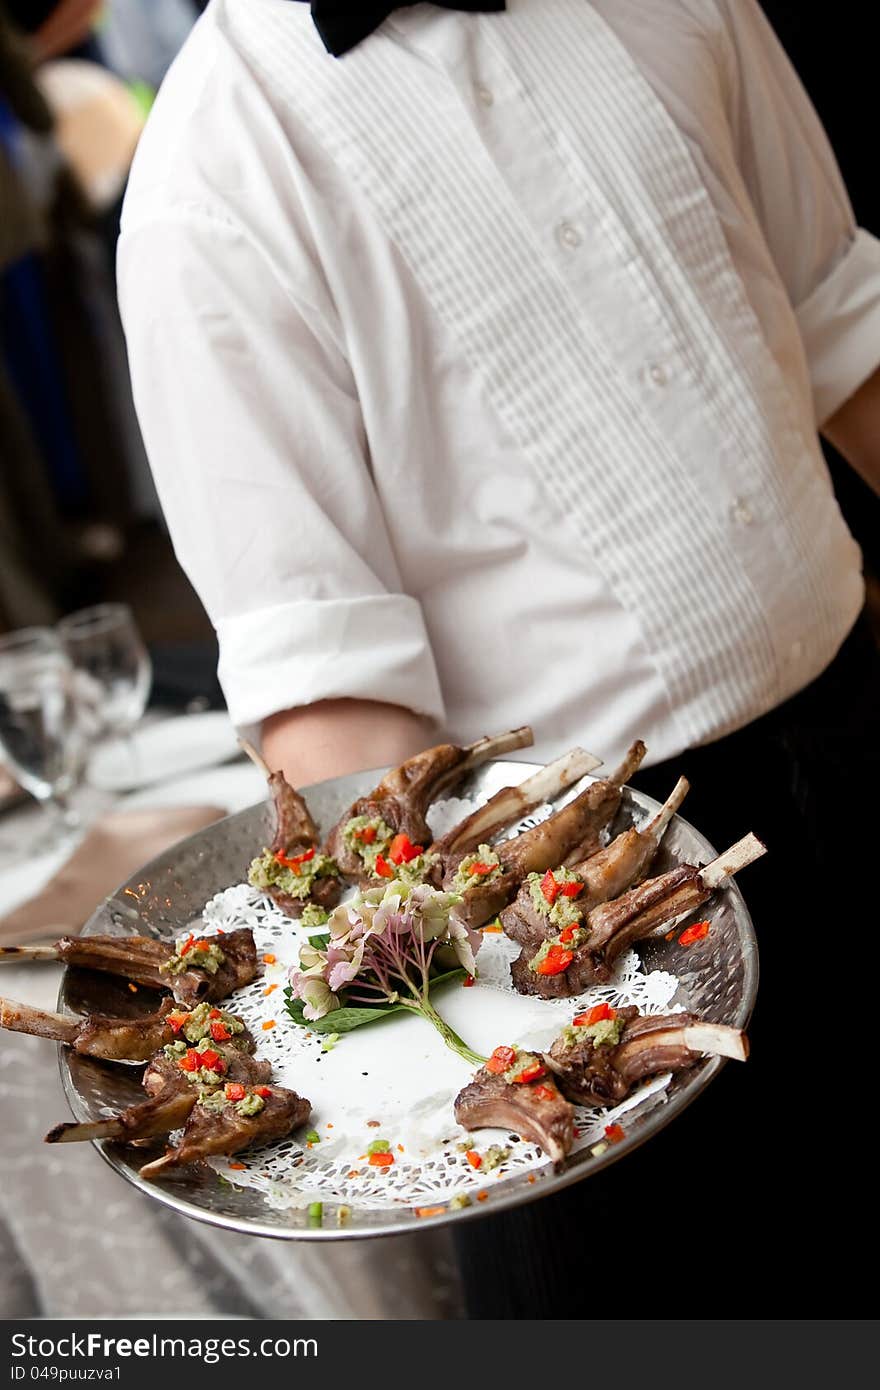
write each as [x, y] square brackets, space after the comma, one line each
[338, 736]
[854, 430]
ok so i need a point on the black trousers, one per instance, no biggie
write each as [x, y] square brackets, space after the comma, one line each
[754, 1201]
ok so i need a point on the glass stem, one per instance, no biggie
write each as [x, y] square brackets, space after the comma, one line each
[449, 1036]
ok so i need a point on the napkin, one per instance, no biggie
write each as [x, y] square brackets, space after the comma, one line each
[113, 850]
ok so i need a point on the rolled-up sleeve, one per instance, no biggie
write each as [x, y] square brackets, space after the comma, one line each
[830, 267]
[254, 433]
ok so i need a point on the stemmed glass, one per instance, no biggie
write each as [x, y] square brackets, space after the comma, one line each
[113, 670]
[41, 739]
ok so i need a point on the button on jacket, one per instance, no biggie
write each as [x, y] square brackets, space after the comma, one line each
[480, 369]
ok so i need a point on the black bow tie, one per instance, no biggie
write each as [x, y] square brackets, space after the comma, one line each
[344, 23]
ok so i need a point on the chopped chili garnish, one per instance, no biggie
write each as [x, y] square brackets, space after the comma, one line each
[694, 933]
[296, 861]
[474, 1159]
[594, 1015]
[613, 1133]
[269, 958]
[237, 1167]
[176, 1021]
[270, 1023]
[201, 945]
[556, 960]
[468, 981]
[235, 1091]
[189, 1061]
[494, 926]
[482, 1196]
[381, 1160]
[570, 890]
[567, 933]
[263, 1091]
[532, 1072]
[366, 835]
[187, 945]
[214, 1013]
[549, 887]
[133, 988]
[219, 1031]
[532, 1178]
[544, 1093]
[669, 935]
[501, 1059]
[383, 868]
[268, 990]
[429, 1211]
[480, 869]
[211, 1061]
[402, 849]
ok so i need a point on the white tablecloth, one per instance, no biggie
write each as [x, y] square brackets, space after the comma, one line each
[77, 1241]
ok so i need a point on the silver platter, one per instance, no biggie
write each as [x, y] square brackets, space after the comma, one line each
[718, 979]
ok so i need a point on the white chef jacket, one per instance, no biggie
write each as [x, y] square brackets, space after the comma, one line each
[480, 369]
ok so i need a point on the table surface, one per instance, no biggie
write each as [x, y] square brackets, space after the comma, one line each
[72, 1231]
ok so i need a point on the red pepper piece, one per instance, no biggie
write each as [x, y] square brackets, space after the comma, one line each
[571, 890]
[694, 933]
[187, 945]
[567, 933]
[468, 982]
[366, 835]
[214, 1013]
[532, 1072]
[474, 1159]
[549, 887]
[383, 1160]
[219, 1032]
[235, 1091]
[383, 868]
[211, 1061]
[595, 1015]
[176, 1021]
[264, 1091]
[296, 861]
[544, 1093]
[402, 850]
[556, 960]
[613, 1133]
[502, 1058]
[479, 869]
[189, 1061]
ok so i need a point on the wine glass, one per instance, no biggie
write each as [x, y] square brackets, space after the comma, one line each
[113, 670]
[41, 739]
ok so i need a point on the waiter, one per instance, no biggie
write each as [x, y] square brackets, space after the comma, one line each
[480, 353]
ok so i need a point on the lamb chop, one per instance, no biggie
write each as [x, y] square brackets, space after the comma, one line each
[564, 896]
[292, 870]
[397, 807]
[488, 879]
[193, 969]
[174, 1079]
[584, 955]
[511, 804]
[227, 1122]
[515, 1091]
[133, 1040]
[602, 1055]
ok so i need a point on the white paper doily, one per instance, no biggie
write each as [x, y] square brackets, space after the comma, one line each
[396, 1080]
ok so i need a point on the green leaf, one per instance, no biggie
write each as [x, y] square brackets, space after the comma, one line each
[346, 1018]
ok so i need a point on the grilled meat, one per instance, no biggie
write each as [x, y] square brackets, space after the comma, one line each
[497, 876]
[125, 1039]
[400, 802]
[533, 1109]
[295, 846]
[573, 965]
[596, 1067]
[172, 1093]
[149, 961]
[211, 1130]
[531, 918]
